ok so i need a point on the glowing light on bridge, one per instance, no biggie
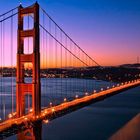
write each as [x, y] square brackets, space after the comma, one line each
[46, 121]
[10, 116]
[31, 110]
[53, 110]
[102, 89]
[25, 118]
[50, 103]
[76, 96]
[65, 99]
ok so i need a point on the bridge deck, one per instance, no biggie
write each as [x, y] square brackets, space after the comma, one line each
[64, 108]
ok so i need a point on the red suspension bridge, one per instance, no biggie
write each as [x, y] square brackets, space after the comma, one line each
[43, 72]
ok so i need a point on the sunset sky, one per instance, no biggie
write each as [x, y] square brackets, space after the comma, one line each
[108, 30]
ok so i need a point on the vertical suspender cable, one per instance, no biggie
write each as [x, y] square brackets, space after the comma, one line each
[1, 69]
[70, 72]
[83, 71]
[89, 78]
[12, 63]
[46, 69]
[45, 82]
[79, 73]
[28, 69]
[85, 74]
[76, 70]
[43, 51]
[66, 64]
[56, 60]
[94, 80]
[41, 56]
[50, 55]
[4, 105]
[61, 60]
[73, 65]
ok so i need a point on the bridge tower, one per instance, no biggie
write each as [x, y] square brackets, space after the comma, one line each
[33, 88]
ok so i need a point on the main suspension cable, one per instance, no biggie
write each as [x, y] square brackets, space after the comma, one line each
[69, 37]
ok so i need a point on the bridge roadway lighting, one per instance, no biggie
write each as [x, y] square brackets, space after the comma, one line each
[86, 93]
[50, 103]
[46, 111]
[94, 91]
[102, 89]
[25, 118]
[14, 113]
[46, 121]
[10, 116]
[31, 110]
[76, 96]
[65, 99]
[107, 87]
[53, 109]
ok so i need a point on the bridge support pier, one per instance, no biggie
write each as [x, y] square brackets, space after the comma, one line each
[33, 88]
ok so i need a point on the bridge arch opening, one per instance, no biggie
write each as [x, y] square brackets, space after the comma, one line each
[28, 72]
[28, 21]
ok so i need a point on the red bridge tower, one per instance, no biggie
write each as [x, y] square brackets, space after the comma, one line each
[32, 88]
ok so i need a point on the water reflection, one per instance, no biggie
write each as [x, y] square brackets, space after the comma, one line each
[32, 133]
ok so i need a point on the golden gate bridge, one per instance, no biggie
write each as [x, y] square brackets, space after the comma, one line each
[50, 70]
